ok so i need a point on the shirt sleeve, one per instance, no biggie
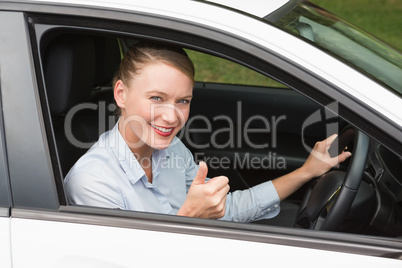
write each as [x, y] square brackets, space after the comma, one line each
[256, 203]
[88, 190]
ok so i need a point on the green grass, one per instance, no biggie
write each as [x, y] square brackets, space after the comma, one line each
[380, 18]
[217, 70]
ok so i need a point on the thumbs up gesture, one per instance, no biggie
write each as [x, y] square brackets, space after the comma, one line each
[206, 199]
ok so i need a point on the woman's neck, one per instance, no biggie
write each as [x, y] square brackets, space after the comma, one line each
[141, 150]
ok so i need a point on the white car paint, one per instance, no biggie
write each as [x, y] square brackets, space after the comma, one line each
[259, 8]
[49, 244]
[5, 243]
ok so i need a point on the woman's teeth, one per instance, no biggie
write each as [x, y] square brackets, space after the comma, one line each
[166, 130]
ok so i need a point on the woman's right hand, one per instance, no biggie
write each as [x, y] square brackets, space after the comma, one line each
[206, 199]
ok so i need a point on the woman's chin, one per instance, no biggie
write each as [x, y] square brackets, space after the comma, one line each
[160, 145]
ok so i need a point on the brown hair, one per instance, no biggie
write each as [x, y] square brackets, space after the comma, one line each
[144, 53]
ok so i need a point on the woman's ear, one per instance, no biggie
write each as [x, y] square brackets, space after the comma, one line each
[120, 94]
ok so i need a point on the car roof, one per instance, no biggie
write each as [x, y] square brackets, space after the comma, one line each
[259, 8]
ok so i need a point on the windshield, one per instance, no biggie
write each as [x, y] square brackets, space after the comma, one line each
[343, 40]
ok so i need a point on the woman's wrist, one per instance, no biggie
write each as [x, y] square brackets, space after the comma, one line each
[303, 174]
[183, 211]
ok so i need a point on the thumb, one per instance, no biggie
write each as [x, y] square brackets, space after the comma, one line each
[343, 156]
[201, 174]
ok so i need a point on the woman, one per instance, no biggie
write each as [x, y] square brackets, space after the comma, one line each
[141, 165]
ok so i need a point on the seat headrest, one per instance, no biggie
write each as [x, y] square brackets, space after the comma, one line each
[69, 66]
[107, 60]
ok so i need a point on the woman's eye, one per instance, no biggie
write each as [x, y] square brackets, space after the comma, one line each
[184, 101]
[156, 98]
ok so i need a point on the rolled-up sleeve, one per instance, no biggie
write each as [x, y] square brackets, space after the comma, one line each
[257, 203]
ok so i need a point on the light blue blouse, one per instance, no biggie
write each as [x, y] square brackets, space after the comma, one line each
[110, 176]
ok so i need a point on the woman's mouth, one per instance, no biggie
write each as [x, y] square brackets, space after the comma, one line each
[163, 131]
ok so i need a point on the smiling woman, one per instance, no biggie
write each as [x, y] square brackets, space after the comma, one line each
[153, 88]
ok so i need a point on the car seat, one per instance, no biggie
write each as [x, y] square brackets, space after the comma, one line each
[78, 72]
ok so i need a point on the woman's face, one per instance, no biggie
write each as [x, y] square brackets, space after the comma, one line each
[155, 106]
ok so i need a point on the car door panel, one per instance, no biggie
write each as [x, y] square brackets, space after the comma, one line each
[5, 240]
[46, 239]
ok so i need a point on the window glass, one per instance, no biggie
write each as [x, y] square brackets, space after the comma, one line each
[217, 70]
[342, 39]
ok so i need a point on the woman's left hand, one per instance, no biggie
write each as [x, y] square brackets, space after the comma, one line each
[319, 161]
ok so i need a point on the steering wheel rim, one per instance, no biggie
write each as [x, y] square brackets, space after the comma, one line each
[326, 204]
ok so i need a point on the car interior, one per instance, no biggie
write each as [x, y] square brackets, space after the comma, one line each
[75, 74]
[78, 68]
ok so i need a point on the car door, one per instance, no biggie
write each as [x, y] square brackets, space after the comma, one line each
[47, 232]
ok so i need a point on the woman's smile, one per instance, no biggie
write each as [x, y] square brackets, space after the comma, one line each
[163, 131]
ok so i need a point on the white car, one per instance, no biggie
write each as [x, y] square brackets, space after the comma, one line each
[297, 74]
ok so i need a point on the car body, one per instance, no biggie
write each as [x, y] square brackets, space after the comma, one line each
[322, 90]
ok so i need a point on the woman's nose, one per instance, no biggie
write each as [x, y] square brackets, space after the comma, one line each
[169, 114]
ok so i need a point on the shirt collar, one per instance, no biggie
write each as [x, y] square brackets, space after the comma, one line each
[128, 161]
[158, 158]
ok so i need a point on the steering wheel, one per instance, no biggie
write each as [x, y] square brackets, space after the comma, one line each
[329, 198]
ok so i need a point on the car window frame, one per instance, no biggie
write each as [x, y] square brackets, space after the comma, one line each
[178, 224]
[5, 190]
